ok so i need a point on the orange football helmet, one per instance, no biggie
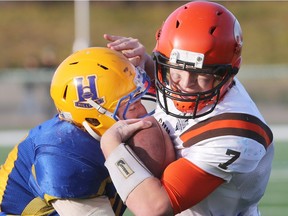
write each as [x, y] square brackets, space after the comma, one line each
[198, 37]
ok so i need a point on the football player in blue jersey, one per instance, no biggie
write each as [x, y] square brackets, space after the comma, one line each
[58, 169]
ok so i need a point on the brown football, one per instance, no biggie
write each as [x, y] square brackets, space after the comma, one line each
[154, 147]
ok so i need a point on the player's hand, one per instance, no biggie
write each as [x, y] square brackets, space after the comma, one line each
[120, 132]
[130, 47]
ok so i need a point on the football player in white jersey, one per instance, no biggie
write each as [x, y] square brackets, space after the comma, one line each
[224, 146]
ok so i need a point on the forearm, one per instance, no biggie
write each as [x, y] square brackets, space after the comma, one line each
[149, 196]
[130, 177]
[142, 192]
[86, 207]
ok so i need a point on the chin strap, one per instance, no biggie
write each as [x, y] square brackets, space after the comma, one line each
[100, 109]
[90, 131]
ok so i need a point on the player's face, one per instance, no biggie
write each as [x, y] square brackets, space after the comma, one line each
[135, 110]
[189, 82]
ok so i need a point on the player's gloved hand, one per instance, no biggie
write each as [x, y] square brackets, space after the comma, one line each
[120, 132]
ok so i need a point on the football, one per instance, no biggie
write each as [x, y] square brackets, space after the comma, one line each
[154, 147]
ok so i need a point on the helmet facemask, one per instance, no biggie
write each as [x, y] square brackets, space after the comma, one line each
[142, 82]
[191, 105]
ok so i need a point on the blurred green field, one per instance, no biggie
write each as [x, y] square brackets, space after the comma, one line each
[274, 203]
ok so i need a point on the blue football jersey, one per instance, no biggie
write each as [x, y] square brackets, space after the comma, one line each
[56, 160]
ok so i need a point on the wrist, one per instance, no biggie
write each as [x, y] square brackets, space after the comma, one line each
[126, 170]
[108, 145]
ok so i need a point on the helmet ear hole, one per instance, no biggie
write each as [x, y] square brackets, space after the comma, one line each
[93, 121]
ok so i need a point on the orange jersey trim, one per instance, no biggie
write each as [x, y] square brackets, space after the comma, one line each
[237, 124]
[187, 184]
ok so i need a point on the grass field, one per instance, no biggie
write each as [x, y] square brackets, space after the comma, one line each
[274, 203]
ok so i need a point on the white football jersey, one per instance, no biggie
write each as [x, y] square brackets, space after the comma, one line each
[234, 143]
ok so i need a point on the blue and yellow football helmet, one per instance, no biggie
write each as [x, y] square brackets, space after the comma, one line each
[90, 85]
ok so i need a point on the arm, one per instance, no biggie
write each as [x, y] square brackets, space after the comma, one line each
[86, 207]
[133, 50]
[183, 184]
[156, 194]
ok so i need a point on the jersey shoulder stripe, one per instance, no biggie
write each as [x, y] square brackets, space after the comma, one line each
[237, 124]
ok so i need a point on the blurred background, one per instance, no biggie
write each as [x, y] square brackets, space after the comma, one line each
[36, 36]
